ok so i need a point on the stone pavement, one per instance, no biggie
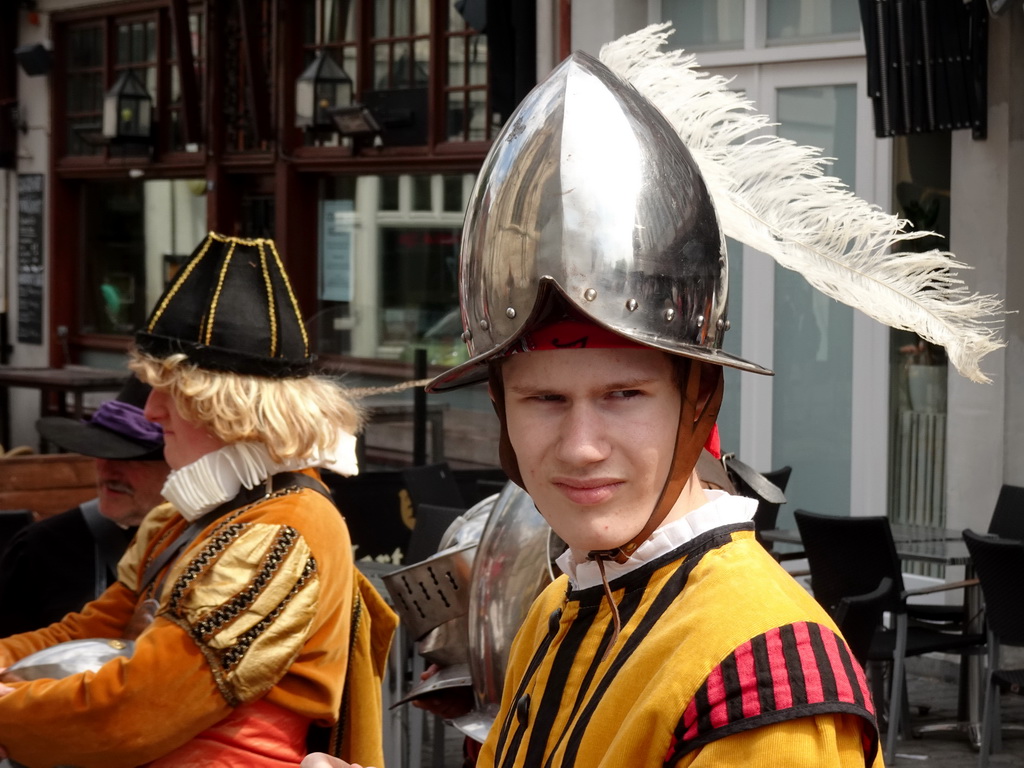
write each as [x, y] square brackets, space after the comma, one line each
[932, 686]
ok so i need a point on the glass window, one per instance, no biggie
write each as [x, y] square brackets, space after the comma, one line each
[197, 40]
[705, 24]
[389, 254]
[330, 328]
[813, 358]
[136, 46]
[468, 117]
[401, 56]
[389, 193]
[136, 234]
[421, 193]
[239, 119]
[419, 293]
[806, 21]
[85, 81]
[453, 194]
[918, 369]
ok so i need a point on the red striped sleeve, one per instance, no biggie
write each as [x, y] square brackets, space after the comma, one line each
[749, 689]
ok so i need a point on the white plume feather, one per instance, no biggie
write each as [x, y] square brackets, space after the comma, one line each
[774, 195]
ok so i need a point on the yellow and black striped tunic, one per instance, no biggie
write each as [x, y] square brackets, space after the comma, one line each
[723, 659]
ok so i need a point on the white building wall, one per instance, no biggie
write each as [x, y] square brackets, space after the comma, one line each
[32, 157]
[986, 422]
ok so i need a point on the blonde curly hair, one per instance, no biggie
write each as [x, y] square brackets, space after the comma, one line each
[292, 417]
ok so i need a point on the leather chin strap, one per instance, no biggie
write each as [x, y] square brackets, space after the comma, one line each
[694, 427]
[506, 455]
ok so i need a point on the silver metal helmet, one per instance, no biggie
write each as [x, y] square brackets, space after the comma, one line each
[589, 196]
[512, 567]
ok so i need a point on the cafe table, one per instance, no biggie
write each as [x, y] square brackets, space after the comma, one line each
[73, 380]
[945, 547]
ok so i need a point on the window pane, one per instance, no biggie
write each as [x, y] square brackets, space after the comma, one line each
[402, 13]
[86, 48]
[380, 66]
[381, 18]
[456, 115]
[453, 193]
[349, 63]
[421, 197]
[195, 28]
[705, 24]
[138, 43]
[309, 35]
[124, 44]
[419, 292]
[331, 326]
[456, 60]
[401, 68]
[477, 60]
[477, 116]
[422, 21]
[389, 193]
[813, 360]
[135, 236]
[455, 21]
[421, 67]
[810, 20]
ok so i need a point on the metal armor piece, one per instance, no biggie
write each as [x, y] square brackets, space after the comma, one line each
[589, 194]
[512, 567]
[435, 591]
[432, 600]
[432, 592]
[68, 658]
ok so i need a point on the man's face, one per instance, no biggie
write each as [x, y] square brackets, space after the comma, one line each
[184, 442]
[593, 432]
[129, 489]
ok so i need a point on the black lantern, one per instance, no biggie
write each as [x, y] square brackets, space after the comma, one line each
[128, 111]
[321, 88]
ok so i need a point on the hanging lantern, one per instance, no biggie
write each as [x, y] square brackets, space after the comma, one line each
[322, 87]
[128, 110]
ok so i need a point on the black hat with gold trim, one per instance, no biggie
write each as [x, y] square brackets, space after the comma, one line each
[231, 308]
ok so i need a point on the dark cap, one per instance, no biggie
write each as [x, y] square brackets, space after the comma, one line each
[231, 308]
[117, 430]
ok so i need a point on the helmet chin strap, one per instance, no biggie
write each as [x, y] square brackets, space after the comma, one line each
[696, 418]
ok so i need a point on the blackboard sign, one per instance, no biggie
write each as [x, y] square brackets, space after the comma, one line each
[30, 258]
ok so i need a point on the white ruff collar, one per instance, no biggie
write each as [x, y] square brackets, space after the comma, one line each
[218, 477]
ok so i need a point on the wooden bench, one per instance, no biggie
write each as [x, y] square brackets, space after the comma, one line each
[48, 483]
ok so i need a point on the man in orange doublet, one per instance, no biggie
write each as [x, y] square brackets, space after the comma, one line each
[252, 628]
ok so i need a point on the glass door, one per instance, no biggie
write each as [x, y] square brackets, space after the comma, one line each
[825, 410]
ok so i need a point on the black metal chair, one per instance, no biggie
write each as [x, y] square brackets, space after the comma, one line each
[1000, 567]
[1008, 517]
[432, 484]
[851, 557]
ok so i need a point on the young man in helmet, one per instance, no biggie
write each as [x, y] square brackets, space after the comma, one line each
[252, 627]
[593, 287]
